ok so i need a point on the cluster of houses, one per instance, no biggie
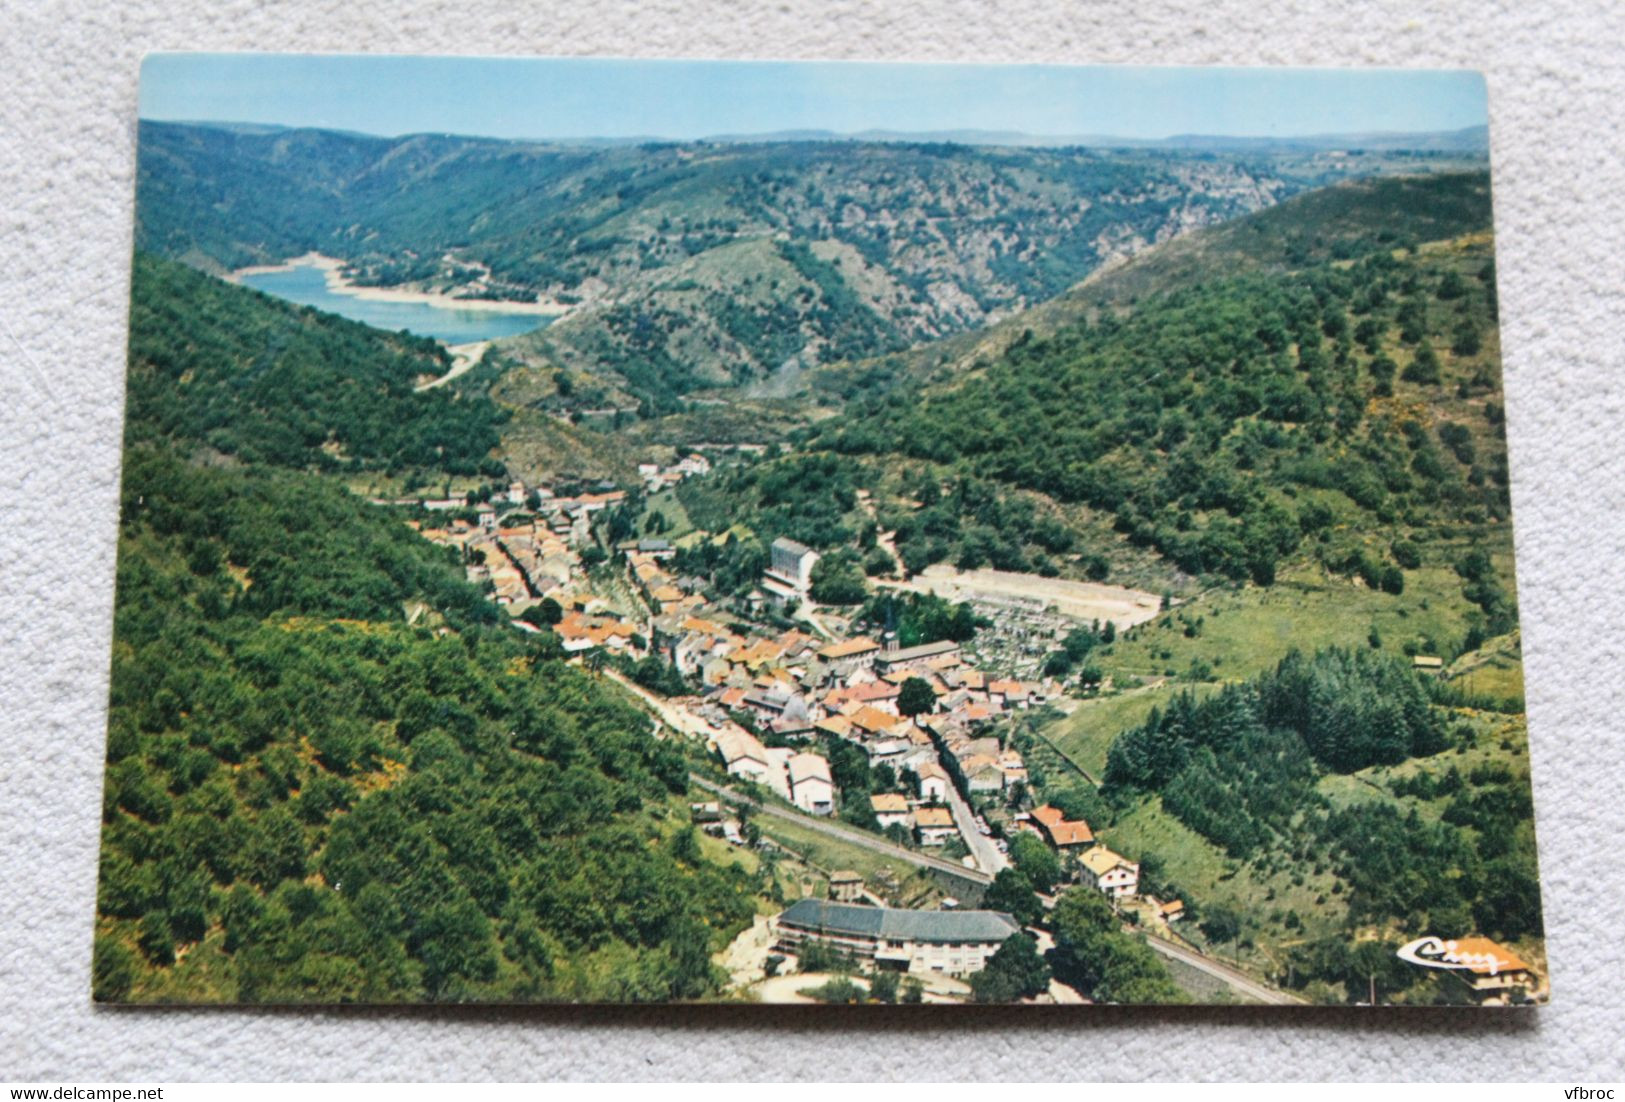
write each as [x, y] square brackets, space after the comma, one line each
[522, 562]
[523, 558]
[792, 687]
[656, 477]
[799, 776]
[931, 823]
[798, 687]
[646, 569]
[1109, 872]
[580, 631]
[487, 562]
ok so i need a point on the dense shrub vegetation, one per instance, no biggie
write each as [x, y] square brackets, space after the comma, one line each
[1224, 424]
[266, 381]
[1240, 768]
[310, 800]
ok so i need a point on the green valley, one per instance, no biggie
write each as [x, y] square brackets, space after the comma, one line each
[1113, 541]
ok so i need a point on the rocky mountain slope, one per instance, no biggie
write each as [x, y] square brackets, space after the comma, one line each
[706, 264]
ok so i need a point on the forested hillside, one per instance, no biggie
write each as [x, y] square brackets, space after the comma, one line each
[334, 772]
[310, 800]
[705, 264]
[1443, 847]
[250, 376]
[1236, 421]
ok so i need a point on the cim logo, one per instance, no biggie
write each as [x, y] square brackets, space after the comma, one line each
[1433, 952]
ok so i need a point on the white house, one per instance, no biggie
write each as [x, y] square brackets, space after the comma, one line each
[933, 782]
[1112, 873]
[744, 755]
[810, 786]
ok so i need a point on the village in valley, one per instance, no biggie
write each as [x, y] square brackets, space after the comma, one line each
[788, 570]
[769, 683]
[767, 689]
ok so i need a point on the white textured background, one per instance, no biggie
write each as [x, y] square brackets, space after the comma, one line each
[67, 115]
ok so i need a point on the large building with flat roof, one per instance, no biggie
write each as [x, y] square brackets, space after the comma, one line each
[953, 943]
[789, 569]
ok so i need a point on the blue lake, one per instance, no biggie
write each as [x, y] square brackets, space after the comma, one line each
[307, 285]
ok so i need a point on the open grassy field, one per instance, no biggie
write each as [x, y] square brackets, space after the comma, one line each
[666, 505]
[1231, 634]
[1236, 633]
[1264, 891]
[1086, 735]
[1495, 669]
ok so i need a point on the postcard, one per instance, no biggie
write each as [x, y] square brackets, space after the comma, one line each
[683, 531]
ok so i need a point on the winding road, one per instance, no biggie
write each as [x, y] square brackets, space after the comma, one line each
[463, 359]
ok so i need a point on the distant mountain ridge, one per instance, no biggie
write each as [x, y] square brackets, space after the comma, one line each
[1467, 139]
[1470, 139]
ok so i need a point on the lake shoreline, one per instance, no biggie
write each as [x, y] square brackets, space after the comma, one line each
[338, 283]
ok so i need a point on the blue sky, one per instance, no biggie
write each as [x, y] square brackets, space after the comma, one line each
[565, 98]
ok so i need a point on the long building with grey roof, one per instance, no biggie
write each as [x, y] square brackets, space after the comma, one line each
[948, 942]
[908, 658]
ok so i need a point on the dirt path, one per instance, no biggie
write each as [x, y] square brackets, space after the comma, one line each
[463, 359]
[745, 958]
[886, 540]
